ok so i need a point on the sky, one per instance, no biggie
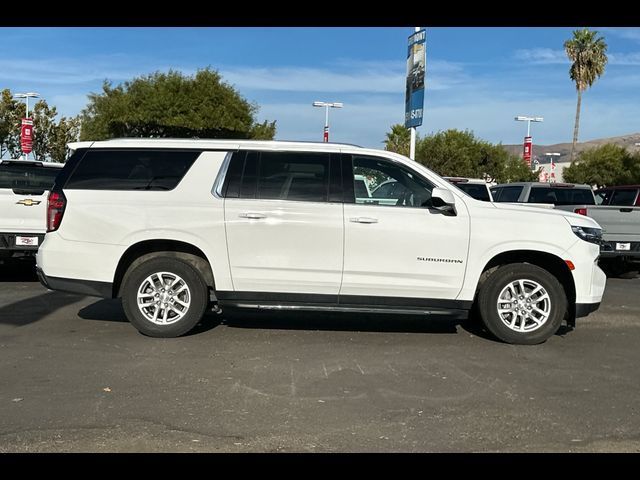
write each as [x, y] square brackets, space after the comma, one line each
[478, 78]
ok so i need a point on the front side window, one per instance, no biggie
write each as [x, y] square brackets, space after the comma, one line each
[603, 197]
[390, 184]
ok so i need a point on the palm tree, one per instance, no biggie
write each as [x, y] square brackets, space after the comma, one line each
[398, 140]
[589, 56]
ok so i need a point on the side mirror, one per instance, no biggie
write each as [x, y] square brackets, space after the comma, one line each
[443, 201]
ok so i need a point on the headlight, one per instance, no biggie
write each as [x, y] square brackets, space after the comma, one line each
[588, 234]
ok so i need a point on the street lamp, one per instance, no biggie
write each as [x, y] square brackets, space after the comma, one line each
[528, 144]
[327, 105]
[27, 96]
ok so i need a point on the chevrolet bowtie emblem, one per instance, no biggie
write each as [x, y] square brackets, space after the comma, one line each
[27, 202]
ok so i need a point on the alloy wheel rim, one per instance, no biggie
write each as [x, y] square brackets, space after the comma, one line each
[524, 305]
[163, 298]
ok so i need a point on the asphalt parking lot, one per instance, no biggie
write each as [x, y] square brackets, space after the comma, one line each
[77, 377]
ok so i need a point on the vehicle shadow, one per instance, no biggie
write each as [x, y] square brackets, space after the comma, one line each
[33, 309]
[111, 311]
[18, 270]
[352, 322]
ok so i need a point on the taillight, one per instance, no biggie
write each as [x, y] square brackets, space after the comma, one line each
[55, 209]
[581, 211]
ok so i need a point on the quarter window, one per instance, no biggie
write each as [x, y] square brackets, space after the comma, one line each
[103, 169]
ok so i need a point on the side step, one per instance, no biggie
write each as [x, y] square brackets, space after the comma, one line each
[450, 313]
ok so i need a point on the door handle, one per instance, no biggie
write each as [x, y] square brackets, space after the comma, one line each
[626, 210]
[363, 220]
[252, 215]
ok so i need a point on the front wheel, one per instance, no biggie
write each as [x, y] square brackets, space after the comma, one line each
[522, 304]
[164, 297]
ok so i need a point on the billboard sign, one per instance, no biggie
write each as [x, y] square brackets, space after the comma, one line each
[526, 154]
[26, 136]
[416, 69]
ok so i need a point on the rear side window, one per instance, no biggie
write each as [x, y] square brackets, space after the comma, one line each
[103, 169]
[32, 177]
[561, 196]
[624, 197]
[506, 194]
[477, 191]
[297, 176]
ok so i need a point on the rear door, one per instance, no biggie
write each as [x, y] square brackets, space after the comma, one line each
[284, 225]
[23, 196]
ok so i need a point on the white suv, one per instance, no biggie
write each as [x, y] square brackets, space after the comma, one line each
[176, 226]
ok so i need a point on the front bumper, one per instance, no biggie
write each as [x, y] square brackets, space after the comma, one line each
[584, 309]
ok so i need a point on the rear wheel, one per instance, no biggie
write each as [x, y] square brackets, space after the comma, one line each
[164, 297]
[522, 304]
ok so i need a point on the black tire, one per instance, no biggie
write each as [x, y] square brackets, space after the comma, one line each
[502, 277]
[196, 290]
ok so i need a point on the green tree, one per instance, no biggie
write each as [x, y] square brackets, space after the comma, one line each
[172, 105]
[589, 56]
[11, 113]
[44, 126]
[607, 164]
[66, 130]
[398, 140]
[461, 154]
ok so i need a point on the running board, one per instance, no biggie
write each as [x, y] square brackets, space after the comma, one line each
[451, 313]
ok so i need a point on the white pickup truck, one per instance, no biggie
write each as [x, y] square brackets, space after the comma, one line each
[24, 186]
[616, 209]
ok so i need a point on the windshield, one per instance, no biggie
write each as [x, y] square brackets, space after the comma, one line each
[16, 176]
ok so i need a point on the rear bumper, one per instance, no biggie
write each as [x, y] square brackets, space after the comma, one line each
[608, 249]
[584, 309]
[72, 285]
[8, 241]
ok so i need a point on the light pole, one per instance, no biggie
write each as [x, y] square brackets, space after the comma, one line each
[27, 96]
[528, 144]
[327, 105]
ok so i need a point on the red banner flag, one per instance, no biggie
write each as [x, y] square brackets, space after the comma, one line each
[26, 135]
[526, 155]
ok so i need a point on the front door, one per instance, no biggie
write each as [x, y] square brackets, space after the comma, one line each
[283, 233]
[395, 245]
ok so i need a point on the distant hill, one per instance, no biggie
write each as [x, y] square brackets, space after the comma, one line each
[564, 149]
